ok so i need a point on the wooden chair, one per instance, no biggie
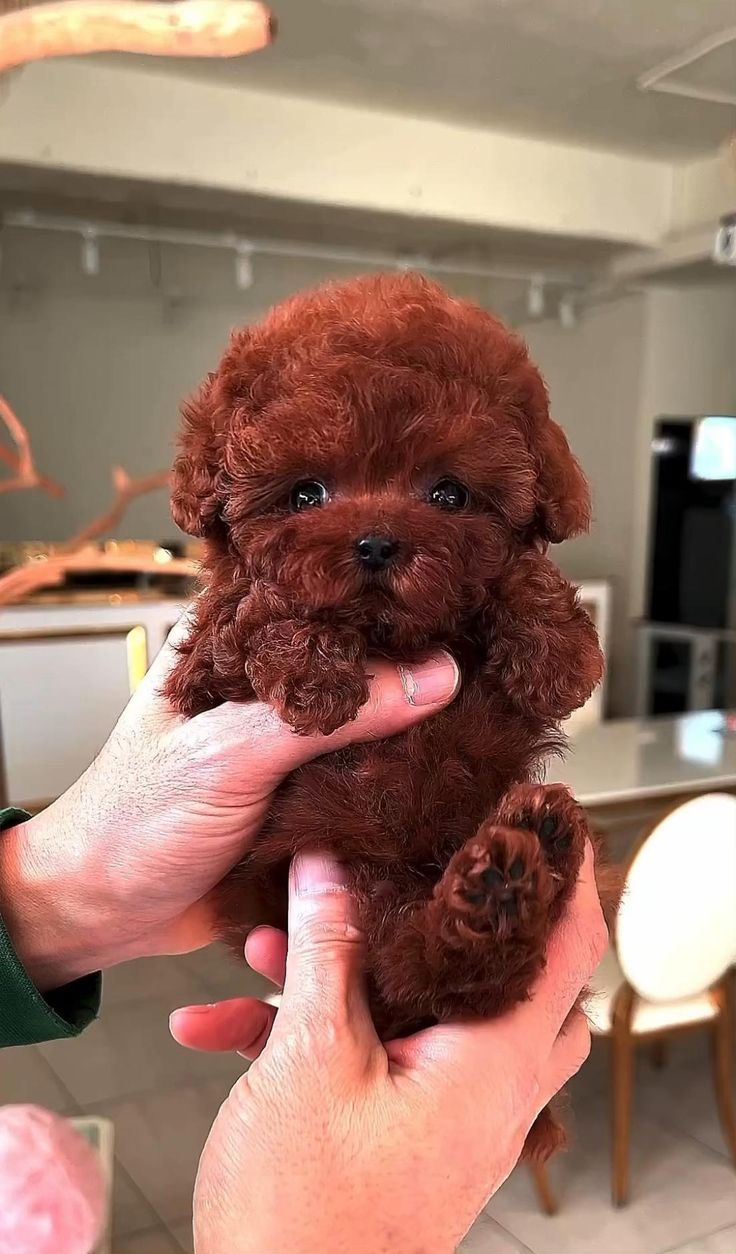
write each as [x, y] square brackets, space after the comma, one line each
[668, 969]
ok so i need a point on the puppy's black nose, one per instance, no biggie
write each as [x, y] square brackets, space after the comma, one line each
[375, 552]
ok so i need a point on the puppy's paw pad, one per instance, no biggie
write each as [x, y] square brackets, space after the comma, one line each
[552, 830]
[491, 883]
[551, 814]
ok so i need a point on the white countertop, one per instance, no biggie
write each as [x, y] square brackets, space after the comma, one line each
[631, 759]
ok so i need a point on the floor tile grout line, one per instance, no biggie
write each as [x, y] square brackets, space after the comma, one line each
[159, 1229]
[138, 1095]
[119, 1169]
[523, 1247]
[75, 1108]
[158, 1226]
[702, 1236]
[665, 1123]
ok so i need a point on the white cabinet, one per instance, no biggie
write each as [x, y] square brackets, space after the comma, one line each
[66, 672]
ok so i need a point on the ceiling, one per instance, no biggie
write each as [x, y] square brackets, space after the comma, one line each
[558, 69]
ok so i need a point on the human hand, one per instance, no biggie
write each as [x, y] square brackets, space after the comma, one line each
[335, 1141]
[120, 866]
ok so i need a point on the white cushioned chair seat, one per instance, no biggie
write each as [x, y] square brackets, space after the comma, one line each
[647, 1016]
[676, 925]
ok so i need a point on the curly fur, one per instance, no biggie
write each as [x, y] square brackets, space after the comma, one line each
[379, 387]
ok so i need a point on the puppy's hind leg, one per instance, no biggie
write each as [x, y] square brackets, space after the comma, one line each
[476, 945]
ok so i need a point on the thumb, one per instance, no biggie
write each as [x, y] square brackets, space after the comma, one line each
[324, 967]
[400, 695]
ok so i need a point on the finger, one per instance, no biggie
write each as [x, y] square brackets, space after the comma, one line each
[400, 695]
[242, 1025]
[265, 952]
[575, 949]
[569, 1052]
[148, 697]
[323, 984]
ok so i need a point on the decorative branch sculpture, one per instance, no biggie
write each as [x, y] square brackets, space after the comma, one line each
[181, 28]
[21, 462]
[126, 490]
[78, 553]
[49, 572]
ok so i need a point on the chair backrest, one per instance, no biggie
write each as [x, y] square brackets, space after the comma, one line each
[676, 927]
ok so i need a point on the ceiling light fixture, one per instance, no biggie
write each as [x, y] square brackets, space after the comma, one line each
[535, 297]
[90, 252]
[568, 314]
[244, 276]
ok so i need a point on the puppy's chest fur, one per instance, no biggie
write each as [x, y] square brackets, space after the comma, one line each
[394, 809]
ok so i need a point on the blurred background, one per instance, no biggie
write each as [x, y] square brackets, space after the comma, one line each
[569, 166]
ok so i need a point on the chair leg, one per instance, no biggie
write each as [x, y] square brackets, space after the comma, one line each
[545, 1196]
[622, 1081]
[723, 1046]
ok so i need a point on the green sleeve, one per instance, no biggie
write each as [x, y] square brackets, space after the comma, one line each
[25, 1016]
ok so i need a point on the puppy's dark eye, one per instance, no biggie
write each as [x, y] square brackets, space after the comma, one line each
[308, 494]
[449, 494]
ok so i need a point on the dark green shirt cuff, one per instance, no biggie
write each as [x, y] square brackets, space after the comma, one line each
[26, 1017]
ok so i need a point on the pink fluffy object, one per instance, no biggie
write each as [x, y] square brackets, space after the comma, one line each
[52, 1190]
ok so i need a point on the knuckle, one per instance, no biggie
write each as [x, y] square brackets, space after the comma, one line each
[577, 1043]
[301, 1038]
[596, 933]
[590, 941]
[325, 935]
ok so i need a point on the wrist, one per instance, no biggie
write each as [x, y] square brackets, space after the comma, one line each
[53, 922]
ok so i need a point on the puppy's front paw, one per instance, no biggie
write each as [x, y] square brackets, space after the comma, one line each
[313, 675]
[310, 706]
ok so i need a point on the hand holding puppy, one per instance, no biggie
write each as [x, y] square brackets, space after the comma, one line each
[335, 1141]
[119, 867]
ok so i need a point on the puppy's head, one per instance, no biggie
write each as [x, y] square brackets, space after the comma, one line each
[377, 453]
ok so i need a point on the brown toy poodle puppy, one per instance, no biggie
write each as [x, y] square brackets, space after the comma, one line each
[375, 471]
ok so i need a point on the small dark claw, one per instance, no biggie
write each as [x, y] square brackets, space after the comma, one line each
[548, 827]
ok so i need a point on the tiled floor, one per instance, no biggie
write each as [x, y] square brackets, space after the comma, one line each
[163, 1099]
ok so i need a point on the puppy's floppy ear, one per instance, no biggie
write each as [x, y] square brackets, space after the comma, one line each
[563, 496]
[195, 496]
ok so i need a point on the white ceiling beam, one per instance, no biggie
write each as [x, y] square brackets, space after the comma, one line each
[135, 123]
[678, 252]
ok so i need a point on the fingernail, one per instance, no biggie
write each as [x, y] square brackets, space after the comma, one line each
[315, 873]
[191, 1010]
[431, 682]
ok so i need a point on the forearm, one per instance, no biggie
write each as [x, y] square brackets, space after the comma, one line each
[31, 920]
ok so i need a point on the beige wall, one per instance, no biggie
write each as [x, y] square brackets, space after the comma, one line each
[97, 367]
[594, 379]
